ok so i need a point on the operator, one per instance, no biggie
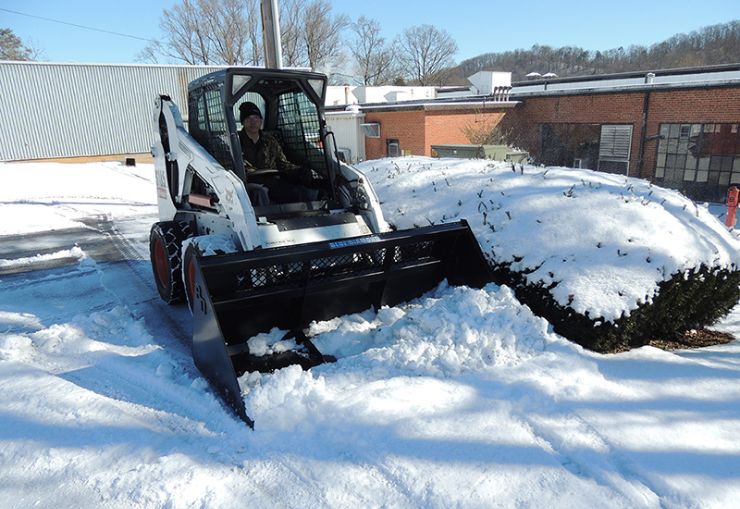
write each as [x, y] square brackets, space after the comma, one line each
[262, 151]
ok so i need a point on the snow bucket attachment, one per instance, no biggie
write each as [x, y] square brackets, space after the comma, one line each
[237, 296]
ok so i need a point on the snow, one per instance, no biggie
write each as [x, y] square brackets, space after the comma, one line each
[54, 195]
[74, 253]
[461, 398]
[579, 229]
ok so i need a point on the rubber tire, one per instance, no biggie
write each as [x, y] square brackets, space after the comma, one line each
[165, 246]
[189, 272]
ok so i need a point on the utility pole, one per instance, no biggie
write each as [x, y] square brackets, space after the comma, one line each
[271, 34]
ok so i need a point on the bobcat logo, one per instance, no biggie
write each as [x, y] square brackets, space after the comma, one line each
[201, 300]
[161, 185]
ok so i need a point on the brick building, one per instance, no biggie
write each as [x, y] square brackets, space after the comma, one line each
[413, 128]
[679, 128]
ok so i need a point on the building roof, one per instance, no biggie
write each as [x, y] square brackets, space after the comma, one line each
[470, 102]
[702, 77]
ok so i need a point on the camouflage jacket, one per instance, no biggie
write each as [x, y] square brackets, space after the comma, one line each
[265, 154]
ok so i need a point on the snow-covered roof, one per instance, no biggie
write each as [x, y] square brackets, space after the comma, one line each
[672, 78]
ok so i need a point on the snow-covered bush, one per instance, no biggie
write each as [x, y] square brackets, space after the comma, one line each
[688, 300]
[610, 261]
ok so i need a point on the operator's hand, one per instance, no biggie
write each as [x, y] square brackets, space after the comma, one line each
[300, 175]
[306, 176]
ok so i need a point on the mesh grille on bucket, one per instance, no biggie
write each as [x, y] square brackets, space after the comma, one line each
[296, 273]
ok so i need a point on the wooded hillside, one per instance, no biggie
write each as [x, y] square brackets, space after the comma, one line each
[712, 45]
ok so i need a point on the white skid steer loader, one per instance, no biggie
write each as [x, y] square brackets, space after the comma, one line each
[247, 268]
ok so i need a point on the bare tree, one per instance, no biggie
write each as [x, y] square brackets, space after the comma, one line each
[186, 34]
[712, 45]
[322, 35]
[209, 32]
[425, 52]
[12, 48]
[291, 22]
[311, 34]
[229, 32]
[151, 53]
[373, 57]
[226, 29]
[254, 22]
[487, 132]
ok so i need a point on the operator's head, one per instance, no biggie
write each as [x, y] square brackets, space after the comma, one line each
[249, 109]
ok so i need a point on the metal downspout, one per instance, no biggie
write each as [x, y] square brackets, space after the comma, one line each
[643, 132]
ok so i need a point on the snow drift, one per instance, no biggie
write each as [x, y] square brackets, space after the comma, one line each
[463, 398]
[610, 261]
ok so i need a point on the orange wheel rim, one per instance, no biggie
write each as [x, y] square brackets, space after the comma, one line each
[191, 280]
[161, 264]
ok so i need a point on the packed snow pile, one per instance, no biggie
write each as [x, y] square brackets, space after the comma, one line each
[108, 190]
[457, 330]
[451, 333]
[461, 398]
[598, 245]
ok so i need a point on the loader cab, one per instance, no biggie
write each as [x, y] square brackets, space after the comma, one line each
[292, 108]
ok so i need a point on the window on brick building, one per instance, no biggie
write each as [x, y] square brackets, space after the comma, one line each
[570, 145]
[394, 148]
[702, 159]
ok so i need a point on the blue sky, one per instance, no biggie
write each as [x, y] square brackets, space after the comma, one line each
[478, 26]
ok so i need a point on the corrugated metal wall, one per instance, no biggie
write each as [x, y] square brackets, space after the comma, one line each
[52, 110]
[347, 132]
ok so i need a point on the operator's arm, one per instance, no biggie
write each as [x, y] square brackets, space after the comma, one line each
[276, 157]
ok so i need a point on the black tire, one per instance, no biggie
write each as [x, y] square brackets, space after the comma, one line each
[165, 246]
[189, 272]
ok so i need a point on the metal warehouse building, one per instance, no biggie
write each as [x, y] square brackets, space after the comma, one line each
[50, 110]
[58, 110]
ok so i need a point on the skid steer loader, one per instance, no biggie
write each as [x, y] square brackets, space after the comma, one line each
[245, 268]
